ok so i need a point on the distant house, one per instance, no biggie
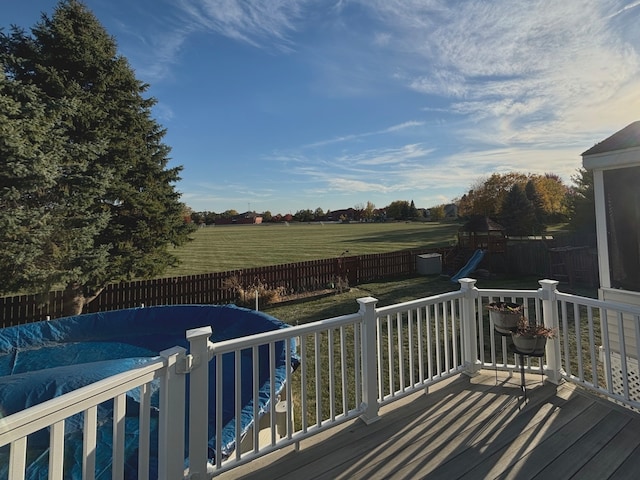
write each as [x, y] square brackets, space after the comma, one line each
[247, 218]
[451, 210]
[346, 214]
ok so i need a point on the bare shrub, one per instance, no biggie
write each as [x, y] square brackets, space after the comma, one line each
[246, 295]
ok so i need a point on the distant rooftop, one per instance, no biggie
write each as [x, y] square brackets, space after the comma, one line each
[628, 137]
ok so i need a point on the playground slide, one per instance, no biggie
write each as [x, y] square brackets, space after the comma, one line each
[470, 266]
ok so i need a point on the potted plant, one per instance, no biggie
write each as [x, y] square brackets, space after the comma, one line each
[530, 337]
[505, 315]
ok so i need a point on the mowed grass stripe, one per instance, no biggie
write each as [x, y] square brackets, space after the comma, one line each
[222, 248]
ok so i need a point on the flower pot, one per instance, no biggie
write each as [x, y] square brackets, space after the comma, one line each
[505, 316]
[527, 344]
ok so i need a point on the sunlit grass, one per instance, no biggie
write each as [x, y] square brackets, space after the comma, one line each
[222, 248]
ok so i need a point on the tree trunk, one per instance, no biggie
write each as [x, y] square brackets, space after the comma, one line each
[74, 298]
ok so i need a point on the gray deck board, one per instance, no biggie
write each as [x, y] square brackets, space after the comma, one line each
[471, 428]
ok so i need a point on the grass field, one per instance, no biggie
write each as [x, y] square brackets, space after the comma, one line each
[221, 248]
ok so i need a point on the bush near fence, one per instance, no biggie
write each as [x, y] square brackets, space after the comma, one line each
[211, 288]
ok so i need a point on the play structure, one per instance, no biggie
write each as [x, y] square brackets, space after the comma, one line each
[43, 360]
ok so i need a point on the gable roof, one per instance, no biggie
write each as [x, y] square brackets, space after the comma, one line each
[628, 137]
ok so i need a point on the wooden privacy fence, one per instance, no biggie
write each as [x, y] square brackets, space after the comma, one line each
[211, 288]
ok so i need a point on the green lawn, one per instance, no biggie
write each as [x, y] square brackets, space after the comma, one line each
[222, 248]
[388, 292]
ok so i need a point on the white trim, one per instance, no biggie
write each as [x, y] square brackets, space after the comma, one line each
[615, 159]
[601, 229]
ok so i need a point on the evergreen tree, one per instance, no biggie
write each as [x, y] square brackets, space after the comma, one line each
[534, 197]
[581, 203]
[112, 202]
[518, 214]
[413, 211]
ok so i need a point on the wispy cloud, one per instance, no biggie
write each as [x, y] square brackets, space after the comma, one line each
[387, 156]
[624, 9]
[255, 22]
[355, 136]
[506, 64]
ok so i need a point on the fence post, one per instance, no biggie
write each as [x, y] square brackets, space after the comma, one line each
[369, 370]
[198, 401]
[172, 411]
[548, 292]
[468, 325]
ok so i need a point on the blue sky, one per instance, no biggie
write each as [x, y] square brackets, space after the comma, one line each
[284, 105]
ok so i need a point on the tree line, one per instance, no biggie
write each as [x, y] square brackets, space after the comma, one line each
[396, 210]
[525, 204]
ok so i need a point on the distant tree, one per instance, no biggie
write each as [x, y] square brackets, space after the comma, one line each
[553, 196]
[540, 215]
[358, 211]
[229, 213]
[437, 213]
[518, 214]
[487, 195]
[266, 216]
[413, 211]
[369, 211]
[581, 203]
[210, 218]
[108, 202]
[398, 210]
[303, 215]
[318, 214]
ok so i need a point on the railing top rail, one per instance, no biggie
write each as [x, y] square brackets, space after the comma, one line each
[21, 423]
[596, 303]
[400, 307]
[249, 341]
[496, 292]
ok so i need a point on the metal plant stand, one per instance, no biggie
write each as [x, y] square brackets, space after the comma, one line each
[535, 353]
[521, 355]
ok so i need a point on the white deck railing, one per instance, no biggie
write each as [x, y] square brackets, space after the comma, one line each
[52, 414]
[349, 366]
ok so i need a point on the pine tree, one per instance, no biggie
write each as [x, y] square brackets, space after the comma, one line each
[534, 197]
[113, 200]
[581, 203]
[518, 214]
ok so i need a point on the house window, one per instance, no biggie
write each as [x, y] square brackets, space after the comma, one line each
[622, 194]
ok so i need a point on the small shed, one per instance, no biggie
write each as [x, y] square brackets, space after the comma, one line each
[481, 232]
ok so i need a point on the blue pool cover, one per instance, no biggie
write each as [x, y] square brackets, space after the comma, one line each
[43, 360]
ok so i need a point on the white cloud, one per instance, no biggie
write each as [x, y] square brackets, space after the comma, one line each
[513, 64]
[388, 156]
[249, 21]
[354, 136]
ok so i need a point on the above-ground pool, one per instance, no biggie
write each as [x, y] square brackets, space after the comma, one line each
[43, 360]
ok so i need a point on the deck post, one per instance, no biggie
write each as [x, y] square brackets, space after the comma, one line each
[369, 369]
[198, 401]
[172, 415]
[468, 325]
[548, 293]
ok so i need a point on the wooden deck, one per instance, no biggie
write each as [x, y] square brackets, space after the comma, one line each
[474, 429]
